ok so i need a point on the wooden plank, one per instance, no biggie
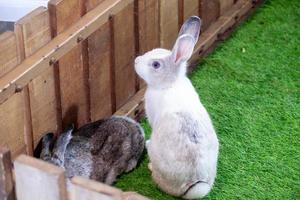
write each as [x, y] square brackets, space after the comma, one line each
[100, 77]
[36, 180]
[148, 27]
[74, 96]
[12, 124]
[168, 23]
[12, 111]
[83, 189]
[33, 32]
[91, 4]
[225, 5]
[148, 12]
[133, 108]
[6, 179]
[191, 8]
[209, 11]
[133, 196]
[124, 55]
[58, 47]
[8, 47]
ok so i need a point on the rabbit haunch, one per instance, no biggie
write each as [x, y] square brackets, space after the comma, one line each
[101, 150]
[183, 148]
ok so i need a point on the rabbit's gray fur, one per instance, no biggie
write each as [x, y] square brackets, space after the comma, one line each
[101, 150]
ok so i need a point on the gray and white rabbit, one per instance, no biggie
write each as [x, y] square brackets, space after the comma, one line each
[183, 147]
[101, 150]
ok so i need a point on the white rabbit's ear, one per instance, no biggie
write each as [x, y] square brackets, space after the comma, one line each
[183, 48]
[191, 27]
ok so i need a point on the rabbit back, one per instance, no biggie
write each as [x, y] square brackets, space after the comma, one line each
[100, 150]
[182, 150]
[116, 147]
[78, 157]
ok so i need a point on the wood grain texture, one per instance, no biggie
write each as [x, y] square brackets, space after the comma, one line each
[209, 11]
[12, 124]
[237, 13]
[74, 96]
[83, 188]
[190, 8]
[168, 23]
[225, 5]
[8, 50]
[12, 111]
[148, 27]
[135, 107]
[36, 180]
[124, 55]
[6, 179]
[34, 65]
[33, 32]
[99, 54]
[148, 14]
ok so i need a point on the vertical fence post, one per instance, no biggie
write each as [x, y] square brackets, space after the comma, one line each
[11, 111]
[72, 71]
[6, 181]
[168, 23]
[100, 69]
[33, 32]
[124, 54]
[38, 180]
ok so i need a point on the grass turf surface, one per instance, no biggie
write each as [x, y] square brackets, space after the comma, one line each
[250, 86]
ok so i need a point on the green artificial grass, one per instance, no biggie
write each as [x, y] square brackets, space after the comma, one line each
[250, 86]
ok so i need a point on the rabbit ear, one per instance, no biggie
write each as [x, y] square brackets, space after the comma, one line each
[183, 48]
[191, 27]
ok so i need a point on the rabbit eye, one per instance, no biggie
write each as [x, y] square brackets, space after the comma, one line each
[156, 65]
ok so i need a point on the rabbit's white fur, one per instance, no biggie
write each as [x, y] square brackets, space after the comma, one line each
[183, 148]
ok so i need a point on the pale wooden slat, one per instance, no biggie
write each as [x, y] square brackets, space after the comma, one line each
[99, 53]
[86, 189]
[8, 50]
[6, 179]
[12, 111]
[124, 55]
[33, 32]
[168, 23]
[36, 180]
[133, 196]
[73, 91]
[59, 46]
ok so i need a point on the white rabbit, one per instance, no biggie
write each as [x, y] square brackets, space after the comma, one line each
[183, 147]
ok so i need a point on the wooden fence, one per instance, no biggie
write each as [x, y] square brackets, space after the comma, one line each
[36, 180]
[73, 61]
